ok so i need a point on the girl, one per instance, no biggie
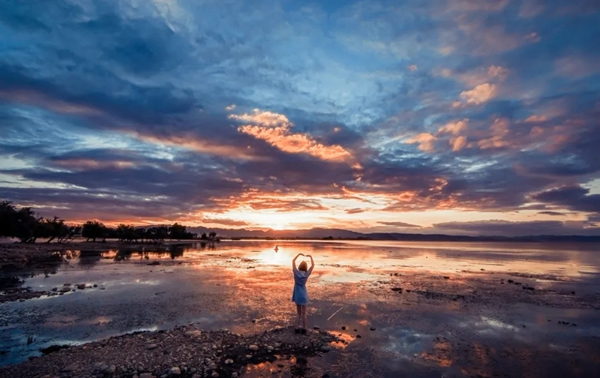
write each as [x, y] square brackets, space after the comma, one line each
[300, 295]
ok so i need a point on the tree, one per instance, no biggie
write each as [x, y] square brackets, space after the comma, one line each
[178, 231]
[93, 230]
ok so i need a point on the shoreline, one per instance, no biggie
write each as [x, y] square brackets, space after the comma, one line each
[180, 352]
[20, 255]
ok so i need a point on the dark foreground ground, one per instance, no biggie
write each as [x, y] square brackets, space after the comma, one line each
[181, 352]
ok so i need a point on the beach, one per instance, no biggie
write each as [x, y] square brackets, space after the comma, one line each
[381, 309]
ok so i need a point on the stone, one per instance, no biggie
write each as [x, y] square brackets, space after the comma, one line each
[446, 277]
[372, 328]
[71, 368]
[146, 375]
[343, 328]
[111, 369]
[325, 348]
[270, 348]
[151, 346]
[95, 285]
[228, 361]
[248, 356]
[253, 347]
[175, 370]
[81, 286]
[196, 376]
[212, 366]
[194, 333]
[234, 375]
[358, 336]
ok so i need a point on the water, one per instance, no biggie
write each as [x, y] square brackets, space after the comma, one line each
[232, 283]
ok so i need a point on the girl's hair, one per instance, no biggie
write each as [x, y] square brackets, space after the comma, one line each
[303, 266]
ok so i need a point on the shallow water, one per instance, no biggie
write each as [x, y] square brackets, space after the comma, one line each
[233, 283]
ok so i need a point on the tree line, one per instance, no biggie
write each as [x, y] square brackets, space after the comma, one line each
[25, 225]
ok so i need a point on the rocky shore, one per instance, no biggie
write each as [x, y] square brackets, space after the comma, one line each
[181, 352]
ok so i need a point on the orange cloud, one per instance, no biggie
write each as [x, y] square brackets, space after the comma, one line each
[536, 119]
[413, 67]
[458, 143]
[425, 140]
[480, 94]
[454, 128]
[499, 130]
[275, 129]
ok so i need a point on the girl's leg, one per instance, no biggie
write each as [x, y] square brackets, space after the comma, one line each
[299, 310]
[304, 316]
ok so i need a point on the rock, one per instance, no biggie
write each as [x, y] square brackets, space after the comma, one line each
[194, 333]
[146, 375]
[253, 320]
[228, 361]
[71, 368]
[155, 263]
[270, 348]
[253, 347]
[175, 370]
[372, 328]
[151, 346]
[81, 286]
[214, 374]
[213, 366]
[446, 277]
[234, 375]
[343, 328]
[95, 285]
[358, 336]
[510, 281]
[398, 289]
[325, 348]
[196, 376]
[317, 328]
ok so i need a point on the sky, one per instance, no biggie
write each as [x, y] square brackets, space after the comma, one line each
[458, 116]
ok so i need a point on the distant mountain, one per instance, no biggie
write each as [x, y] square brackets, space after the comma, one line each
[334, 233]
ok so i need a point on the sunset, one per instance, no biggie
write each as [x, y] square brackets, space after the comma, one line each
[290, 115]
[171, 171]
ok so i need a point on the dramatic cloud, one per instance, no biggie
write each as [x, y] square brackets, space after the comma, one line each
[289, 114]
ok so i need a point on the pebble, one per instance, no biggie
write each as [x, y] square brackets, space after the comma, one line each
[228, 361]
[343, 328]
[358, 336]
[146, 375]
[253, 347]
[248, 356]
[70, 368]
[151, 346]
[372, 328]
[270, 348]
[175, 370]
[234, 375]
[214, 374]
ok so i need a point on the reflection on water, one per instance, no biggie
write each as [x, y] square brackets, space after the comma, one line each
[233, 283]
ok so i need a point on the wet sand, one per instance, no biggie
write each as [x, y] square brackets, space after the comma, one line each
[419, 310]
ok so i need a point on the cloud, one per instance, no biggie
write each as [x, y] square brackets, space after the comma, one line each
[226, 222]
[424, 140]
[573, 197]
[480, 94]
[499, 130]
[458, 143]
[275, 129]
[454, 128]
[536, 119]
[400, 224]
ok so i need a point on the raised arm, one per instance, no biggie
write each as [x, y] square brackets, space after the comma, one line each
[294, 260]
[312, 264]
